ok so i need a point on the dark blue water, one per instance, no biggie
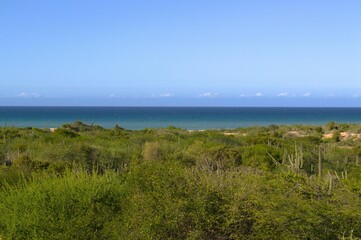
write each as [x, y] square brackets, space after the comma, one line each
[183, 117]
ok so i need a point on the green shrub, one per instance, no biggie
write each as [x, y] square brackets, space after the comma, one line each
[75, 206]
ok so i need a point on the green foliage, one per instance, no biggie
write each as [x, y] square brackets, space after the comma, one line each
[260, 156]
[319, 129]
[336, 136]
[75, 206]
[151, 151]
[66, 133]
[331, 126]
[79, 126]
[86, 182]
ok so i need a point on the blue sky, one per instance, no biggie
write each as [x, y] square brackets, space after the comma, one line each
[180, 53]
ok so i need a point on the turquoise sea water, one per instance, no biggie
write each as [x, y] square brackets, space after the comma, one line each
[183, 117]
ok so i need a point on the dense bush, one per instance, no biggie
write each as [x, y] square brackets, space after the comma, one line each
[74, 206]
[85, 182]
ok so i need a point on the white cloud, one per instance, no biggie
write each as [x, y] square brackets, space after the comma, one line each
[161, 95]
[306, 95]
[166, 95]
[28, 95]
[284, 94]
[259, 94]
[208, 94]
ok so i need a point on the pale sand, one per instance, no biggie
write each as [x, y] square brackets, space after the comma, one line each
[343, 135]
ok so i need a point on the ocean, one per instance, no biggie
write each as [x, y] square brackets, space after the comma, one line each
[191, 118]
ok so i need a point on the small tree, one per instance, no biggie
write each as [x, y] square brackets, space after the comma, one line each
[331, 126]
[336, 136]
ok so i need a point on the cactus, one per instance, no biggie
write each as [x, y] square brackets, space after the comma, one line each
[319, 162]
[330, 184]
[296, 160]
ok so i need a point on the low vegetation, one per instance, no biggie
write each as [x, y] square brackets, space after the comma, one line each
[86, 182]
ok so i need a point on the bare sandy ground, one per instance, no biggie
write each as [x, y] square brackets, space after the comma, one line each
[343, 135]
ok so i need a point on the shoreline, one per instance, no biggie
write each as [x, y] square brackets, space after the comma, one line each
[293, 131]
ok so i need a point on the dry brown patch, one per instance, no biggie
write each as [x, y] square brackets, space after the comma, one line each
[327, 135]
[230, 134]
